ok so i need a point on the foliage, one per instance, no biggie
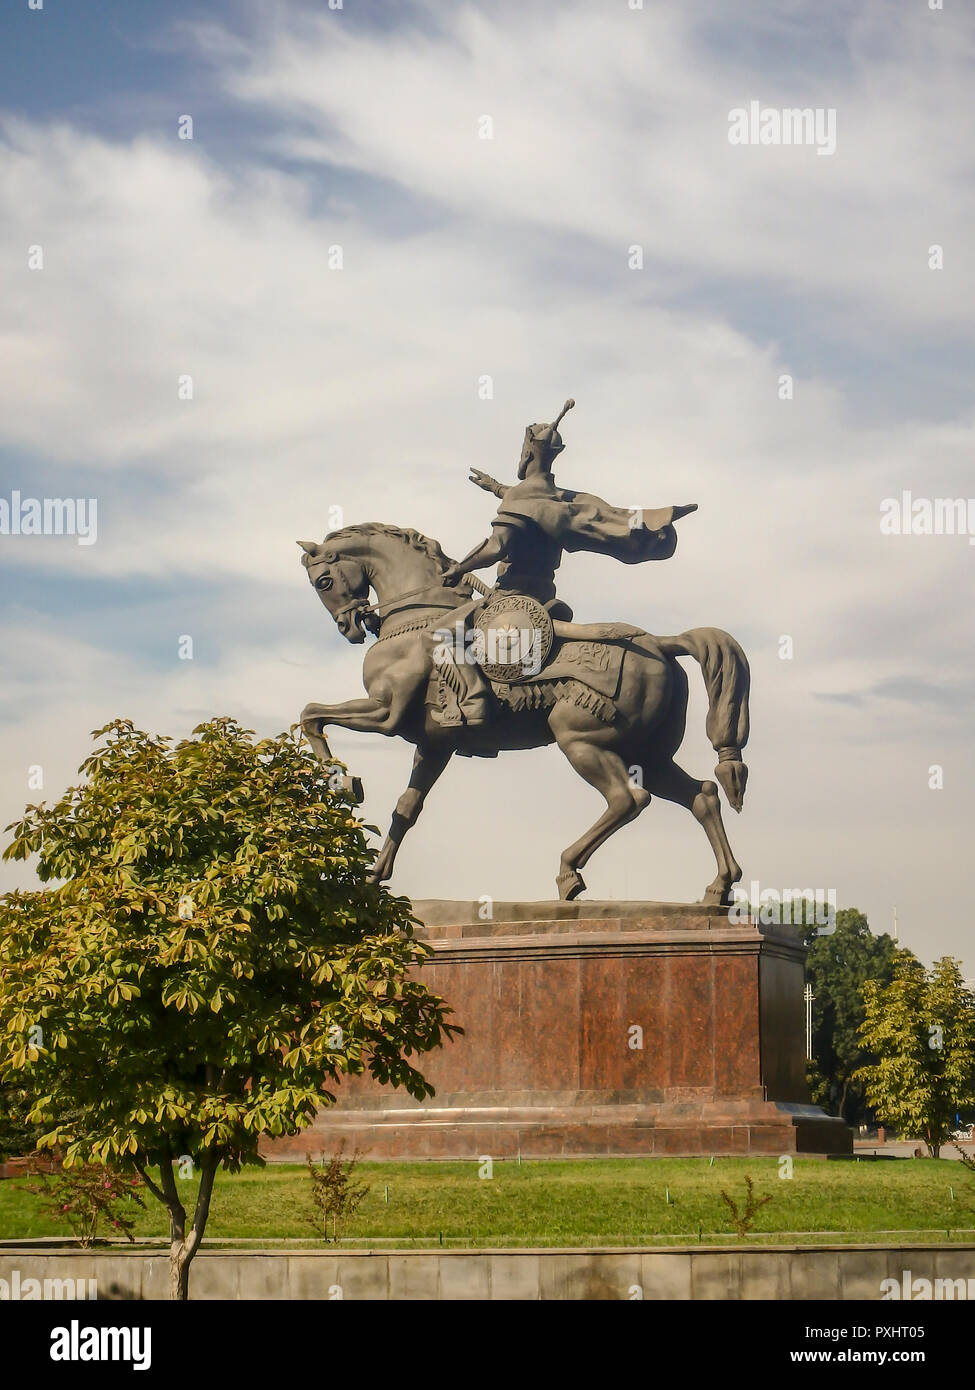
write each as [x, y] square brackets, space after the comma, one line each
[17, 1137]
[838, 965]
[333, 1191]
[921, 1029]
[743, 1220]
[86, 1196]
[211, 957]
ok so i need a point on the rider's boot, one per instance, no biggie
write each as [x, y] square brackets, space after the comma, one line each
[464, 692]
[472, 702]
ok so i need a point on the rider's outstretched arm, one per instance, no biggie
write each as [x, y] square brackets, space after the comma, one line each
[489, 552]
[489, 484]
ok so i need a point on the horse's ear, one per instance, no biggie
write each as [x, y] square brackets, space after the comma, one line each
[309, 547]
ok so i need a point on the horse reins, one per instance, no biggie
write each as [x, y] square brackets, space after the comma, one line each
[362, 606]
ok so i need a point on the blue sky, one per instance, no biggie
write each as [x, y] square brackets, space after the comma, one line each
[463, 257]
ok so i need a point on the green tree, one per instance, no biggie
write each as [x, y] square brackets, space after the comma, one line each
[211, 958]
[921, 1029]
[17, 1137]
[838, 965]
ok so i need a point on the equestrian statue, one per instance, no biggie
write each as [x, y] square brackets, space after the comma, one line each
[458, 667]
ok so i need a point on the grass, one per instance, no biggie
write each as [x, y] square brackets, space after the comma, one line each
[583, 1203]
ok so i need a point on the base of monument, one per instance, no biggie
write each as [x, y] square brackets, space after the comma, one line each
[511, 1131]
[597, 1029]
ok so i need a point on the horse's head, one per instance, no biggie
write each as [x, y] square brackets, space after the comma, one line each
[342, 585]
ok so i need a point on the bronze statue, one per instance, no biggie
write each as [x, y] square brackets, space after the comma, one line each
[457, 668]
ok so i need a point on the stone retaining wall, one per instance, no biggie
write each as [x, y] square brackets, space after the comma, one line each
[780, 1272]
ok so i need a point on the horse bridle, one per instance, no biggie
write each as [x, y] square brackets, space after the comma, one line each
[362, 606]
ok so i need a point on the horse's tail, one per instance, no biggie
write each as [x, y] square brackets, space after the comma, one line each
[725, 670]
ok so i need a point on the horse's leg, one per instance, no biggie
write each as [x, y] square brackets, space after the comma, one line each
[317, 741]
[701, 799]
[365, 716]
[427, 767]
[585, 741]
[393, 681]
[379, 712]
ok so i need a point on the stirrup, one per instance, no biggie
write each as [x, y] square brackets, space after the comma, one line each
[474, 715]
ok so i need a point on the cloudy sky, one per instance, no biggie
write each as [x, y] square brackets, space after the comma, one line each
[510, 258]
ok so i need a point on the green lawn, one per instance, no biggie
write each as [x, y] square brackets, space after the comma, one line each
[604, 1202]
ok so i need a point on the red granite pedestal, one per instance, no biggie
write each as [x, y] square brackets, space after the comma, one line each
[596, 1029]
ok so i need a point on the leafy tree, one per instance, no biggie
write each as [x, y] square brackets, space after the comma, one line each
[17, 1137]
[212, 957]
[921, 1028]
[838, 965]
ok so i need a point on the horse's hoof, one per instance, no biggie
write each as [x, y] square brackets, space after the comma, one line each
[352, 786]
[570, 885]
[716, 896]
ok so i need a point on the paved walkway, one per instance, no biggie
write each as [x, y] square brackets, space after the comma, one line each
[904, 1148]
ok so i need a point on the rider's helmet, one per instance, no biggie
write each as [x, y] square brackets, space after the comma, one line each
[547, 435]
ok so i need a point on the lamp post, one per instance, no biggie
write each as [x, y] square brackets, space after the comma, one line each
[808, 996]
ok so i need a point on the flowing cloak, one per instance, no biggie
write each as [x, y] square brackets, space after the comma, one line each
[582, 521]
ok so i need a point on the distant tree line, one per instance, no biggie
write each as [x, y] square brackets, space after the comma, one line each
[838, 965]
[893, 1042]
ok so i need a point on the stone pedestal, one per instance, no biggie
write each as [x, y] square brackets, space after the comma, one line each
[596, 1029]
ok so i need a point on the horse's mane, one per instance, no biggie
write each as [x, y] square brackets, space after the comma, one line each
[414, 539]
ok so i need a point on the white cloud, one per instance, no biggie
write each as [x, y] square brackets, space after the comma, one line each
[614, 125]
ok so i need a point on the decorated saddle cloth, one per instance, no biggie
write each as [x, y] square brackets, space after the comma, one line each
[596, 664]
[585, 673]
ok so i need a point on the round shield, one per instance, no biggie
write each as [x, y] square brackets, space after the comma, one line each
[516, 637]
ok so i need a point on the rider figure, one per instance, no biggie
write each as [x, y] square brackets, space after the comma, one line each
[535, 523]
[527, 556]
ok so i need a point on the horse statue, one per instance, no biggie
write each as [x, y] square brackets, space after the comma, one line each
[613, 697]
